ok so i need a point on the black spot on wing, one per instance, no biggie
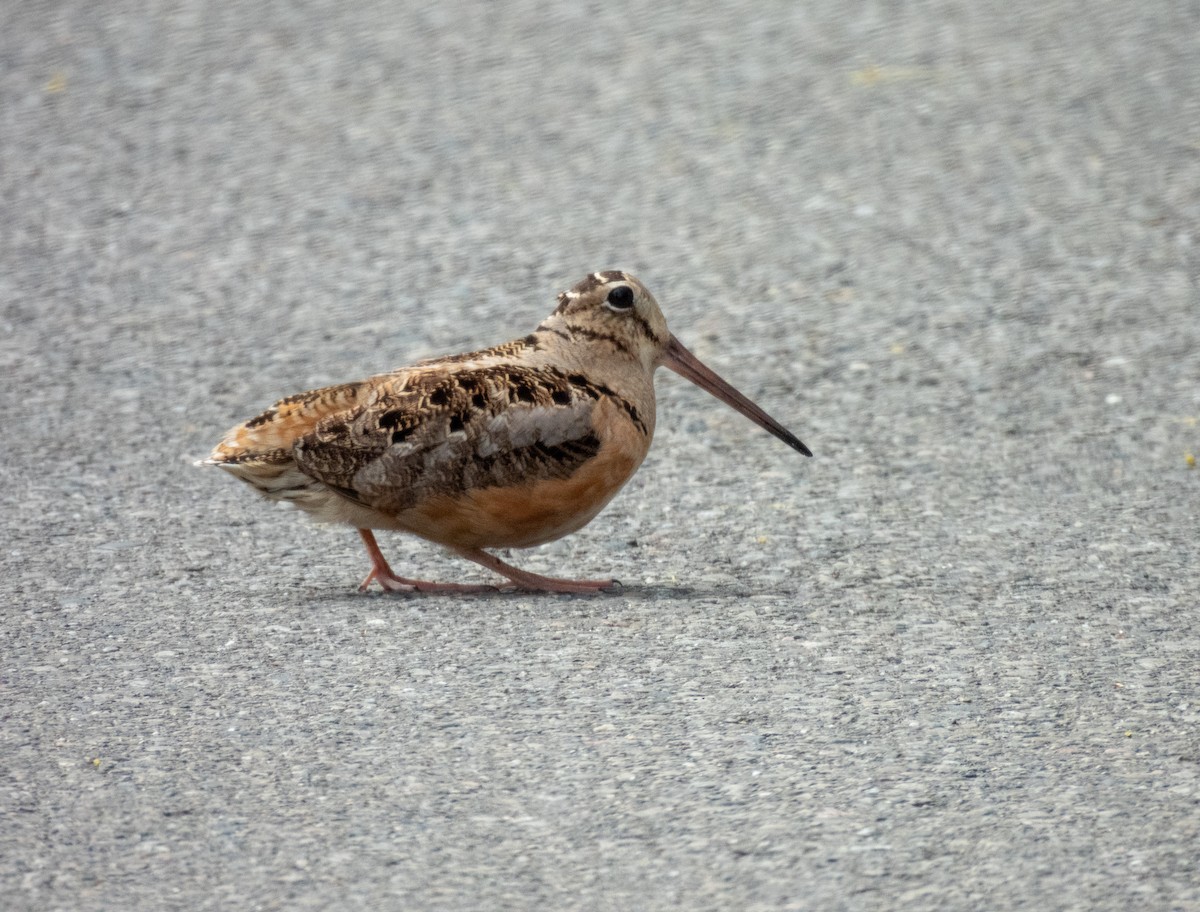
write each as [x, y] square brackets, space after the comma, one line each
[389, 420]
[400, 422]
[268, 415]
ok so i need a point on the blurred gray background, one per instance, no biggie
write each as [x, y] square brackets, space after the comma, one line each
[951, 662]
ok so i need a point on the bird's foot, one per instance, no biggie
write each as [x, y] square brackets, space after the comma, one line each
[389, 582]
[535, 582]
[519, 579]
[381, 573]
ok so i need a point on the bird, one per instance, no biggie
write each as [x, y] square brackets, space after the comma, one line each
[507, 447]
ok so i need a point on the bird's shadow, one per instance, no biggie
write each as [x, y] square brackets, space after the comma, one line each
[645, 592]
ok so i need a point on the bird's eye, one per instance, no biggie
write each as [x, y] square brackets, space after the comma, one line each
[620, 298]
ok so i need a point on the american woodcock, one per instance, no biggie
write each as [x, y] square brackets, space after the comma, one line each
[508, 447]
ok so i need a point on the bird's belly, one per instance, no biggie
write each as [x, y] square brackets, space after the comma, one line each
[524, 514]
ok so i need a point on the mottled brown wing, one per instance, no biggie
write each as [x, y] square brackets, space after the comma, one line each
[428, 433]
[267, 438]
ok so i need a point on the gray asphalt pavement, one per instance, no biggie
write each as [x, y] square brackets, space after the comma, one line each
[949, 663]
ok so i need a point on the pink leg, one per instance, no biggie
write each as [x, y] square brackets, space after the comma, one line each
[526, 580]
[382, 573]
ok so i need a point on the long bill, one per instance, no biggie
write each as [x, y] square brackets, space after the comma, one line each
[684, 363]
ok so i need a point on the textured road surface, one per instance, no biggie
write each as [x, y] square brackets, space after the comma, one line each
[951, 662]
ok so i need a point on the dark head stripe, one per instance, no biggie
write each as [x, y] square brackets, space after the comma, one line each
[644, 326]
[599, 336]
